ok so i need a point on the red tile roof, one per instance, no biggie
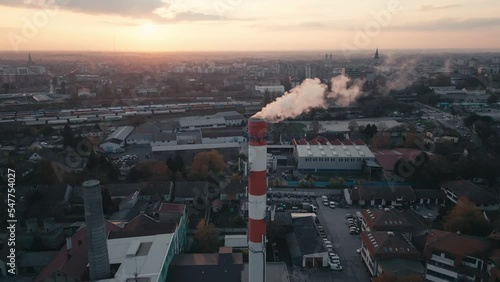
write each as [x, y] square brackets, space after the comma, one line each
[76, 265]
[387, 158]
[347, 142]
[473, 192]
[387, 192]
[384, 245]
[314, 142]
[381, 220]
[457, 245]
[359, 142]
[168, 207]
[336, 142]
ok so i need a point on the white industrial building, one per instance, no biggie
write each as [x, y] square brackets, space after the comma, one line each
[197, 122]
[331, 156]
[271, 89]
[140, 257]
[116, 141]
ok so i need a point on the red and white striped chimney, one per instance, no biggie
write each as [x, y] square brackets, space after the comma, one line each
[257, 156]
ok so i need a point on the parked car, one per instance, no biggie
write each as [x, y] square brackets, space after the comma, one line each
[329, 246]
[333, 255]
[358, 251]
[349, 216]
[334, 266]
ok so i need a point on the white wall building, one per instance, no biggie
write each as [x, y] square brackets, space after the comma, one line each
[272, 89]
[331, 156]
[116, 141]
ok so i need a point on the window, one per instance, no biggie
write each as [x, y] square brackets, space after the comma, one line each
[450, 257]
[440, 275]
[469, 260]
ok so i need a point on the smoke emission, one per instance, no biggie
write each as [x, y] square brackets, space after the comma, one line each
[311, 94]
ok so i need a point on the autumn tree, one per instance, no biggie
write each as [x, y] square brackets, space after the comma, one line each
[204, 162]
[207, 235]
[466, 218]
[380, 141]
[160, 169]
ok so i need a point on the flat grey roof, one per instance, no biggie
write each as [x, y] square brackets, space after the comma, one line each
[334, 151]
[121, 133]
[167, 148]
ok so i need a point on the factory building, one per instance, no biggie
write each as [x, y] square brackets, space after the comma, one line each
[331, 156]
[116, 141]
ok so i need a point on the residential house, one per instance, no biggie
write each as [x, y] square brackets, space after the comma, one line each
[390, 252]
[385, 220]
[391, 195]
[455, 257]
[481, 196]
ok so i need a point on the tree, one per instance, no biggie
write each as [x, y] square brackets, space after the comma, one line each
[63, 87]
[6, 88]
[145, 169]
[160, 169]
[380, 141]
[315, 127]
[467, 219]
[68, 136]
[492, 99]
[47, 130]
[204, 162]
[207, 236]
[353, 126]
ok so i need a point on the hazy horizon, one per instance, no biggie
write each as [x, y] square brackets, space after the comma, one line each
[247, 26]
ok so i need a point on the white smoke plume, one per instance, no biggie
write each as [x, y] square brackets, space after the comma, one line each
[309, 95]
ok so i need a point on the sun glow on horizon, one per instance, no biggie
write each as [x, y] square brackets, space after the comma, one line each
[148, 29]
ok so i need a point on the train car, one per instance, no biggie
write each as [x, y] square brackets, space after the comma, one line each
[94, 119]
[144, 113]
[77, 120]
[57, 121]
[35, 122]
[161, 112]
[112, 118]
[132, 113]
[178, 110]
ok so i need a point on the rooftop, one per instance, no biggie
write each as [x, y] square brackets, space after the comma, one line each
[387, 158]
[333, 149]
[473, 192]
[194, 147]
[307, 236]
[142, 255]
[386, 192]
[448, 242]
[381, 220]
[384, 245]
[121, 133]
[73, 262]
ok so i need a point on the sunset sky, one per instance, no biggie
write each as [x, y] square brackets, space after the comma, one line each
[246, 25]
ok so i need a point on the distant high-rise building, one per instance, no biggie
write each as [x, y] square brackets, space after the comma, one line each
[30, 61]
[331, 57]
[376, 54]
[326, 56]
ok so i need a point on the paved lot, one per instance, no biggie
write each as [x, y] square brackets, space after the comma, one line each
[345, 245]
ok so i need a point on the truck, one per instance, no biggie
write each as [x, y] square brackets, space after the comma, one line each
[309, 207]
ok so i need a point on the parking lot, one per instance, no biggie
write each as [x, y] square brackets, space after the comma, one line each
[344, 244]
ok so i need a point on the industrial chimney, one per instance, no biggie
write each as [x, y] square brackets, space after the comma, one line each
[257, 155]
[96, 233]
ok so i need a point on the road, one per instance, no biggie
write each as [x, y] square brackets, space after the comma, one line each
[345, 245]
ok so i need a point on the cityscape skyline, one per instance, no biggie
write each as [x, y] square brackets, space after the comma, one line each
[223, 25]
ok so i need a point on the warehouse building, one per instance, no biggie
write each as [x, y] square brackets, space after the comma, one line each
[116, 141]
[331, 156]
